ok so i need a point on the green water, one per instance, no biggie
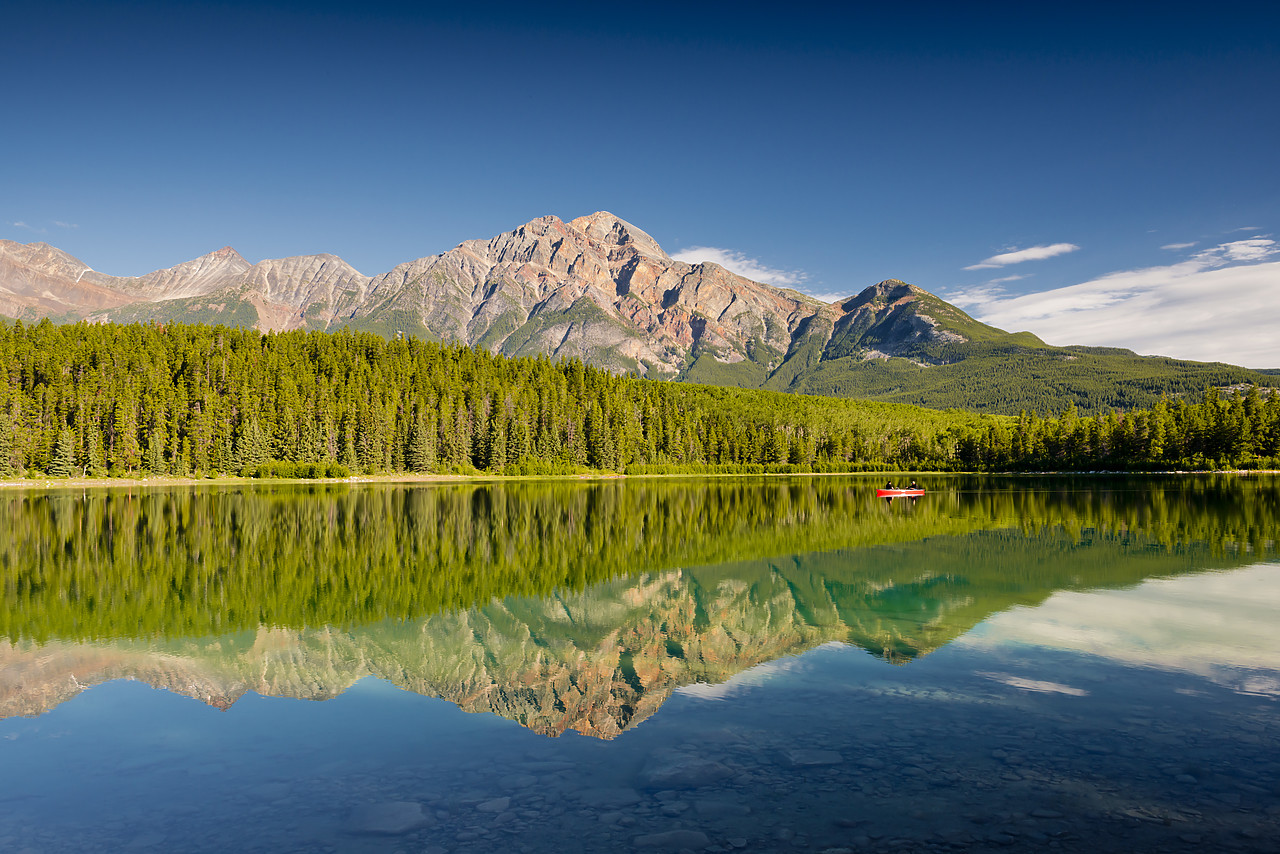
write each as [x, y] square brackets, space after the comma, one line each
[771, 664]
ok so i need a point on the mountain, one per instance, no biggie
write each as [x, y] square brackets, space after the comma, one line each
[601, 289]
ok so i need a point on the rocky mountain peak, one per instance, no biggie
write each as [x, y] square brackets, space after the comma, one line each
[43, 256]
[894, 289]
[225, 255]
[610, 230]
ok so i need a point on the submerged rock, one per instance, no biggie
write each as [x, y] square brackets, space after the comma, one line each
[388, 819]
[674, 839]
[675, 769]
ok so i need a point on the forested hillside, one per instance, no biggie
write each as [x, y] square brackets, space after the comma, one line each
[1009, 376]
[194, 400]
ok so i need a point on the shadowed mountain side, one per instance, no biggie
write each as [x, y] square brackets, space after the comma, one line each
[602, 659]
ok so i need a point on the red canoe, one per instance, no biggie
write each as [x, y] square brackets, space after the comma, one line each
[897, 493]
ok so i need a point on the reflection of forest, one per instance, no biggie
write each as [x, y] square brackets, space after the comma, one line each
[116, 563]
[498, 597]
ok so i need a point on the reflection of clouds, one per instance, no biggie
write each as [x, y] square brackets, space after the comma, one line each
[1220, 626]
[1040, 686]
[758, 675]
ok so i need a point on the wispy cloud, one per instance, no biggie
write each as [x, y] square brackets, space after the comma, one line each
[1218, 305]
[989, 291]
[26, 226]
[978, 295]
[1017, 256]
[830, 296]
[742, 264]
[1178, 245]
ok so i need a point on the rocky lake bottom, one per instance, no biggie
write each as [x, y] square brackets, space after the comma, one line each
[831, 751]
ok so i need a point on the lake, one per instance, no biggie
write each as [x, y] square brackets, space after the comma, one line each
[763, 665]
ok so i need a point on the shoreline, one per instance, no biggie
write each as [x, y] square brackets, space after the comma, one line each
[53, 483]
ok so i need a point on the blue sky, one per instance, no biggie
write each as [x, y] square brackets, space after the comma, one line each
[1096, 177]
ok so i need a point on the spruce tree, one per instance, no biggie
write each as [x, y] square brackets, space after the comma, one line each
[347, 449]
[7, 466]
[154, 459]
[422, 445]
[95, 454]
[253, 447]
[64, 454]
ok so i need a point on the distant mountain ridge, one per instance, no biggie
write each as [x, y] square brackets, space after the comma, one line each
[601, 289]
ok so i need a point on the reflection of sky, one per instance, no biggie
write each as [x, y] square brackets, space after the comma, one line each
[748, 678]
[1222, 626]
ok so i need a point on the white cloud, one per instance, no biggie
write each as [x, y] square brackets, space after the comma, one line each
[1178, 245]
[1218, 305]
[65, 224]
[988, 292]
[741, 264]
[1032, 253]
[978, 295]
[831, 296]
[1242, 251]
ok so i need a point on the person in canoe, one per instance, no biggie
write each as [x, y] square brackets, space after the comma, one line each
[889, 485]
[913, 484]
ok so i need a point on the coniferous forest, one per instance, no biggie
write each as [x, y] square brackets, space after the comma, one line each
[195, 400]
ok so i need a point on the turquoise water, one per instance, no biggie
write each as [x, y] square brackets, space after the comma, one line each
[1003, 665]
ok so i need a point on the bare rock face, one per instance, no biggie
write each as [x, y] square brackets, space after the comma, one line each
[597, 288]
[37, 280]
[204, 275]
[606, 229]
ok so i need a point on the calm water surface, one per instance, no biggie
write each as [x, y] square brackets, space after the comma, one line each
[756, 665]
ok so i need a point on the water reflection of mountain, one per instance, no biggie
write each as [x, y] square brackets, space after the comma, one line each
[116, 563]
[604, 657]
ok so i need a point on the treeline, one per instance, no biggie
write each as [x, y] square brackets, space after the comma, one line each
[112, 400]
[192, 399]
[1239, 431]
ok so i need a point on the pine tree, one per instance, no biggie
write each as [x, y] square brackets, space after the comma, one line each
[252, 447]
[154, 459]
[95, 454]
[126, 452]
[422, 446]
[347, 448]
[63, 462]
[496, 444]
[7, 466]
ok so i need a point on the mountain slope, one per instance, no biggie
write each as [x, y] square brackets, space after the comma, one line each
[600, 289]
